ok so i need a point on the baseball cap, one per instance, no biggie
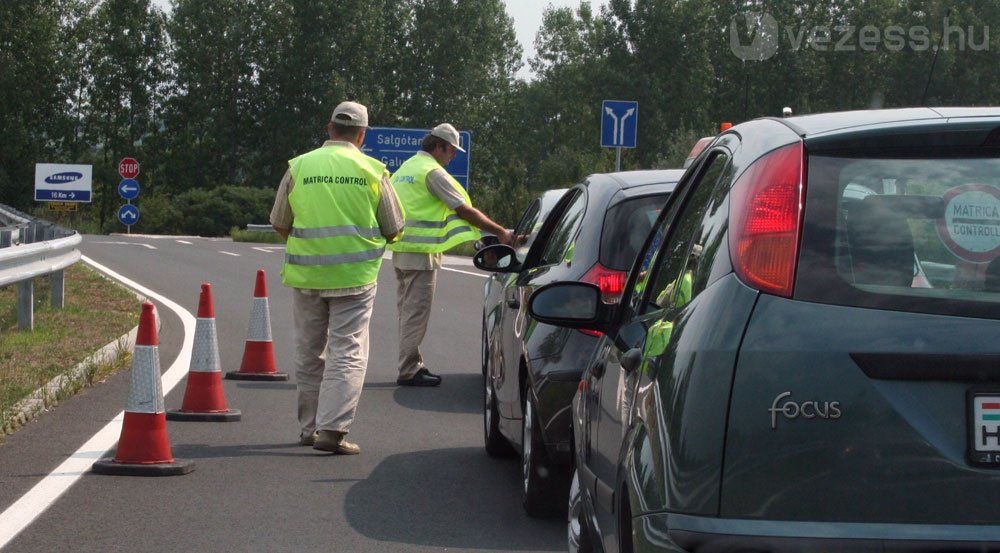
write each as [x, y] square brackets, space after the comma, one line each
[446, 132]
[350, 114]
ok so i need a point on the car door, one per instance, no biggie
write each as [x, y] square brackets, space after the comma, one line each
[549, 248]
[662, 286]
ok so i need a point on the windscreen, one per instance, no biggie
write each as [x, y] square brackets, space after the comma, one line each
[626, 226]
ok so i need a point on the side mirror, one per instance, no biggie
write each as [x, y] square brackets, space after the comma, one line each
[498, 258]
[570, 305]
[486, 240]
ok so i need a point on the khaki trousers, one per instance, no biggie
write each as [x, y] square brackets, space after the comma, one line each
[414, 296]
[331, 358]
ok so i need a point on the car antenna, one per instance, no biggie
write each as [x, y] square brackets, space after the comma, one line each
[930, 75]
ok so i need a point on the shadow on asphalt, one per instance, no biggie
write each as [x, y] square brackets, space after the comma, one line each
[458, 393]
[205, 451]
[455, 498]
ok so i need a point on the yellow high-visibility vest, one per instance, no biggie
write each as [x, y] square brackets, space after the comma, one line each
[335, 240]
[431, 226]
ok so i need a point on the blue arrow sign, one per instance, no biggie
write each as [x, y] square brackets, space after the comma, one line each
[393, 146]
[128, 214]
[619, 123]
[128, 189]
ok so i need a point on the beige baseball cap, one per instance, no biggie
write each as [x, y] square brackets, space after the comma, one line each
[446, 132]
[350, 114]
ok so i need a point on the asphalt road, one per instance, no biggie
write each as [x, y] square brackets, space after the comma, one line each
[421, 483]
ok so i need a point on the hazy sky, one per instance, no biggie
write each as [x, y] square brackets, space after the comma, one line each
[527, 16]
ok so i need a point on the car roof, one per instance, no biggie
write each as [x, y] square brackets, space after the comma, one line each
[811, 125]
[629, 179]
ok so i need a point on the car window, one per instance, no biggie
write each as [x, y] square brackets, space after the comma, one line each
[558, 247]
[673, 276]
[528, 227]
[918, 234]
[626, 226]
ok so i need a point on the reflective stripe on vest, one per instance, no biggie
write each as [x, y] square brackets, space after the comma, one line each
[431, 227]
[335, 240]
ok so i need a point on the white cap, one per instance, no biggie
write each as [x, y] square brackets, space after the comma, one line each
[446, 132]
[350, 114]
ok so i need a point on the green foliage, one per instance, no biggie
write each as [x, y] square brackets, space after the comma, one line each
[204, 212]
[216, 96]
[240, 235]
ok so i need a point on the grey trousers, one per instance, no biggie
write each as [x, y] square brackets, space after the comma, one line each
[331, 358]
[414, 297]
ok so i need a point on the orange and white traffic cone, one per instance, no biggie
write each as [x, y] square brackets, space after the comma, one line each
[204, 398]
[143, 448]
[258, 354]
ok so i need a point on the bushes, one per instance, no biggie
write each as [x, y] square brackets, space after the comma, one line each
[203, 212]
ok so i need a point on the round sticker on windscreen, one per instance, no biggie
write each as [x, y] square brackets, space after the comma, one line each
[970, 228]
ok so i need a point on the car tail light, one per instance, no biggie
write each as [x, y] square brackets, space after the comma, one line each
[766, 219]
[611, 283]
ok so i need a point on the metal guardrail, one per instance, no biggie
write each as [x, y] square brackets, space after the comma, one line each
[31, 248]
[260, 228]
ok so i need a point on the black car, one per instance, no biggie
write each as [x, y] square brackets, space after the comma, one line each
[776, 377]
[531, 370]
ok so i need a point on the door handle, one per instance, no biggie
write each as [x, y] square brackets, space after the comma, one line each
[630, 361]
[514, 303]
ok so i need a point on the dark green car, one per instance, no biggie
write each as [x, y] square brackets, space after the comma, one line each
[797, 366]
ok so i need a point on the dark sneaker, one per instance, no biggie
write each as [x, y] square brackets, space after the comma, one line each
[334, 442]
[423, 377]
[309, 439]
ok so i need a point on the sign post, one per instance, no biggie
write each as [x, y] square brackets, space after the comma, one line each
[619, 126]
[128, 189]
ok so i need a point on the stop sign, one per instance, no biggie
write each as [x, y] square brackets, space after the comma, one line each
[128, 168]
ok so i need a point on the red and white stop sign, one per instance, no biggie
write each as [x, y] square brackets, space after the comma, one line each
[128, 168]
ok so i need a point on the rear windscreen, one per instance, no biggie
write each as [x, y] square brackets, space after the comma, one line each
[895, 232]
[626, 226]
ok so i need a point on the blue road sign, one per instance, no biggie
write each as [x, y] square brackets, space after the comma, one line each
[393, 146]
[128, 189]
[128, 214]
[619, 123]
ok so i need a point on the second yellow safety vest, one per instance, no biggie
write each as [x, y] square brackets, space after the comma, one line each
[431, 226]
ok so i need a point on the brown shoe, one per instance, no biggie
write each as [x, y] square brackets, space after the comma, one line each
[307, 440]
[334, 442]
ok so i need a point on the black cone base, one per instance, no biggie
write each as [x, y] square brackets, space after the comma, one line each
[109, 467]
[231, 415]
[260, 377]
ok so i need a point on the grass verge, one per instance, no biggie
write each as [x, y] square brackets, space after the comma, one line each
[97, 312]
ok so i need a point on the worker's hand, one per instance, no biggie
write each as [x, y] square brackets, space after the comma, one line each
[506, 238]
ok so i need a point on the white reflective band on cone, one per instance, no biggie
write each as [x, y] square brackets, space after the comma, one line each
[205, 353]
[260, 322]
[145, 394]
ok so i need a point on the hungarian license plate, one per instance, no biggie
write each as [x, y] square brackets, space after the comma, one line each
[984, 428]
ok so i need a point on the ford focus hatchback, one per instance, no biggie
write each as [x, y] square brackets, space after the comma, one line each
[806, 356]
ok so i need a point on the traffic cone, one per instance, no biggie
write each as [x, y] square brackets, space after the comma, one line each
[143, 448]
[258, 354]
[204, 398]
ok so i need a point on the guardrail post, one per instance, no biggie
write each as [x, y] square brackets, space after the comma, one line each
[25, 305]
[58, 282]
[5, 238]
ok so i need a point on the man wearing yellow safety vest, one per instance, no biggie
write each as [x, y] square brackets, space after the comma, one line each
[439, 216]
[337, 210]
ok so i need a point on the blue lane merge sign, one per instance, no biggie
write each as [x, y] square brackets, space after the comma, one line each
[128, 214]
[619, 123]
[392, 146]
[128, 189]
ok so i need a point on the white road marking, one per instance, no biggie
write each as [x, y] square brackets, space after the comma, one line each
[183, 242]
[464, 272]
[129, 244]
[231, 253]
[25, 510]
[268, 249]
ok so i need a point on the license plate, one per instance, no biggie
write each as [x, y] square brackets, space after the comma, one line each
[984, 428]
